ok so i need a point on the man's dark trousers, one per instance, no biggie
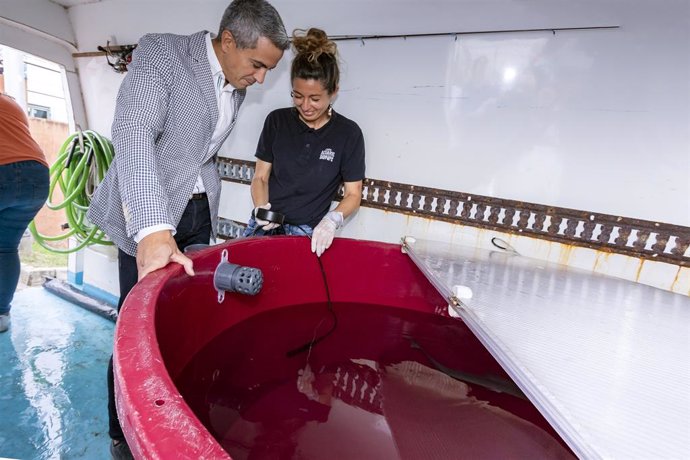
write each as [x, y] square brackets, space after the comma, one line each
[194, 228]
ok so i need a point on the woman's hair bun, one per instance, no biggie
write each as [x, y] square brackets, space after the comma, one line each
[312, 43]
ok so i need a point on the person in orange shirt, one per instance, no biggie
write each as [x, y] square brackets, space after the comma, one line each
[24, 181]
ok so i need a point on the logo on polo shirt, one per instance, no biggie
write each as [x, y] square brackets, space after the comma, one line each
[327, 154]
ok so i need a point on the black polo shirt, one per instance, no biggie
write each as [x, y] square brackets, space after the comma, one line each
[309, 165]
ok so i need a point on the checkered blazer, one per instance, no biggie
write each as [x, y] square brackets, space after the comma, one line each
[165, 115]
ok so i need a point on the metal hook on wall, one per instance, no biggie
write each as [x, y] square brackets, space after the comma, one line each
[121, 56]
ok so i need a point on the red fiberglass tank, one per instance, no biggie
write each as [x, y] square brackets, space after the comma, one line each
[379, 371]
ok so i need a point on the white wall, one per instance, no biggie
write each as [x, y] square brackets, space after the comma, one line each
[42, 15]
[38, 27]
[592, 120]
[94, 21]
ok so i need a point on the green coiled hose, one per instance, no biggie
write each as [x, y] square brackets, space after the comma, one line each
[82, 162]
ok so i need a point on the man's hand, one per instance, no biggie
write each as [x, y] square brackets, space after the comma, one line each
[157, 250]
[324, 233]
[264, 224]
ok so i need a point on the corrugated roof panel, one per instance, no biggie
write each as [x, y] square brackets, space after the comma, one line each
[605, 360]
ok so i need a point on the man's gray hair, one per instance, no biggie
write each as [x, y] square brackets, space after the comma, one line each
[248, 20]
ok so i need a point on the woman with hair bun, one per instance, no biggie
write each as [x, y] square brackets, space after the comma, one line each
[307, 151]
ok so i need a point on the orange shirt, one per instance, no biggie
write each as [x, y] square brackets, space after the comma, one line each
[16, 143]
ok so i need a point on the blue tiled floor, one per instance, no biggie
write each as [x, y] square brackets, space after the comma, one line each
[53, 391]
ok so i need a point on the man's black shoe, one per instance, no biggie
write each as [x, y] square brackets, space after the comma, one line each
[119, 450]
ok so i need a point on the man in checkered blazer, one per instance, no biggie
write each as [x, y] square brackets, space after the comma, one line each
[175, 108]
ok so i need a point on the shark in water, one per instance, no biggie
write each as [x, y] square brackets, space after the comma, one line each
[490, 382]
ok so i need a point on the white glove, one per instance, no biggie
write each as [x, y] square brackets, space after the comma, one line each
[324, 233]
[264, 224]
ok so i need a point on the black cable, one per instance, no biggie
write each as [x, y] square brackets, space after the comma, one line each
[504, 245]
[307, 346]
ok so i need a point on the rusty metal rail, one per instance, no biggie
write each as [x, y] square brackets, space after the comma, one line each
[624, 235]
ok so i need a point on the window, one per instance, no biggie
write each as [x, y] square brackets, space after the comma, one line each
[38, 111]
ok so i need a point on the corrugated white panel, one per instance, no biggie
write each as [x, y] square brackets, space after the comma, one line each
[606, 361]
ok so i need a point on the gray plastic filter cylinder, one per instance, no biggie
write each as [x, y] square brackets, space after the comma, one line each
[236, 278]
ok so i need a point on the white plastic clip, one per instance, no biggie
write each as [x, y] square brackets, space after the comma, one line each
[461, 294]
[406, 243]
[223, 259]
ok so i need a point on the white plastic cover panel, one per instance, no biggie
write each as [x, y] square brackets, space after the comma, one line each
[606, 361]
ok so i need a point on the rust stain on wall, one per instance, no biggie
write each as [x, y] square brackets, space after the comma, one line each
[480, 235]
[565, 253]
[638, 273]
[676, 279]
[597, 263]
[601, 262]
